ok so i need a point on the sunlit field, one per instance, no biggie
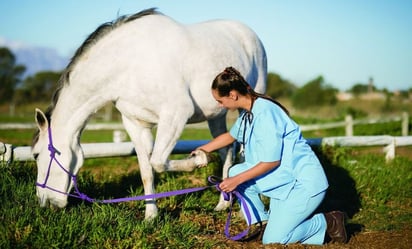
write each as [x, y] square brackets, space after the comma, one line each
[374, 193]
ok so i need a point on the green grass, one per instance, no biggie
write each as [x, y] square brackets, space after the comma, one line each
[375, 194]
[180, 222]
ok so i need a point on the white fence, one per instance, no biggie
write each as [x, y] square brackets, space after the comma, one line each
[10, 153]
[348, 123]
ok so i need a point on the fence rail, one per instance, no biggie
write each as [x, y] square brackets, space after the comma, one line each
[10, 153]
[348, 123]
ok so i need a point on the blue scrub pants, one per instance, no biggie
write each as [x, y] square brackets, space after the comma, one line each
[288, 221]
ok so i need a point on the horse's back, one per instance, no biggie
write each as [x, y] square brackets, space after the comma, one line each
[217, 44]
[154, 57]
[160, 43]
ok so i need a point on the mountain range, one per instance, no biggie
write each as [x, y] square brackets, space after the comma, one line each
[35, 58]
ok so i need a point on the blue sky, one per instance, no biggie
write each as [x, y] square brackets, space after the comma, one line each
[346, 41]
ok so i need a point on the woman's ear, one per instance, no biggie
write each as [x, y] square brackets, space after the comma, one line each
[233, 95]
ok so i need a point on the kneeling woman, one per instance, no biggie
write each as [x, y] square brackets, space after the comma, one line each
[278, 164]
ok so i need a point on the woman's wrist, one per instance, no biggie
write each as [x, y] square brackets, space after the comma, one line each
[202, 149]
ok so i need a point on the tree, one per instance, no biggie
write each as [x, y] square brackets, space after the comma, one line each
[359, 89]
[39, 87]
[314, 93]
[278, 87]
[10, 74]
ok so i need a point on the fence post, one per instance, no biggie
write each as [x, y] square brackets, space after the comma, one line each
[390, 150]
[405, 124]
[12, 109]
[108, 112]
[119, 136]
[2, 148]
[348, 125]
[6, 152]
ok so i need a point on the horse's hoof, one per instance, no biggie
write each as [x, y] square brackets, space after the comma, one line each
[201, 158]
[222, 205]
[151, 212]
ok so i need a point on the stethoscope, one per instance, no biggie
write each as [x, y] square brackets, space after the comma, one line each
[247, 117]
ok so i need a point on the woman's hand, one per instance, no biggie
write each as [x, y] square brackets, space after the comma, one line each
[229, 184]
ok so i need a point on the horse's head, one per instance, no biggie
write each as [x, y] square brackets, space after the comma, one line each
[58, 160]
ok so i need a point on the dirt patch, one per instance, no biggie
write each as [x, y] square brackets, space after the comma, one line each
[362, 240]
[358, 238]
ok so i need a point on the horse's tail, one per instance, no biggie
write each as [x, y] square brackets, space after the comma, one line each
[260, 64]
[257, 74]
[257, 71]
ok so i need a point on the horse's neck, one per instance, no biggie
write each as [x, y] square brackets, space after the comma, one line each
[72, 112]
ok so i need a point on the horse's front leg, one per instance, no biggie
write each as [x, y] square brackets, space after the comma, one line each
[197, 159]
[169, 129]
[141, 136]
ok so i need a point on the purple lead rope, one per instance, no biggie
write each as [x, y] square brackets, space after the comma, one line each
[157, 195]
[212, 179]
[229, 197]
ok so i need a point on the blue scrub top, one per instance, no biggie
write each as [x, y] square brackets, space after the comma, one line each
[268, 134]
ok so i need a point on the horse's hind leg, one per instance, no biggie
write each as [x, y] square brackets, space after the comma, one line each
[141, 136]
[217, 127]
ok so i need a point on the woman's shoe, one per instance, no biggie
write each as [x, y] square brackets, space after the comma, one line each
[256, 232]
[335, 229]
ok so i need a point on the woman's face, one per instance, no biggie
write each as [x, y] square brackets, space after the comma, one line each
[228, 102]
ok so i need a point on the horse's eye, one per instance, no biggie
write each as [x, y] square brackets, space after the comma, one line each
[36, 155]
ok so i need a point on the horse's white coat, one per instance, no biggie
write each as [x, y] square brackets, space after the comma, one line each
[156, 72]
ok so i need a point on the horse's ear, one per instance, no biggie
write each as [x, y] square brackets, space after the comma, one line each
[41, 120]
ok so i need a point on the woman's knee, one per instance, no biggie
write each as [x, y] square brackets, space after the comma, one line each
[232, 172]
[278, 237]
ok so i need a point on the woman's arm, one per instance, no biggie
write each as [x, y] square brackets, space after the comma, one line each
[229, 184]
[220, 141]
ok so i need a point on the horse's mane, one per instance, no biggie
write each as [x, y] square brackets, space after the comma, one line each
[100, 32]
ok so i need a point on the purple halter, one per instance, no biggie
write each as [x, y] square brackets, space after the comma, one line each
[212, 179]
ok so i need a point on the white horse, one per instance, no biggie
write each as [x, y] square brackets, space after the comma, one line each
[156, 71]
